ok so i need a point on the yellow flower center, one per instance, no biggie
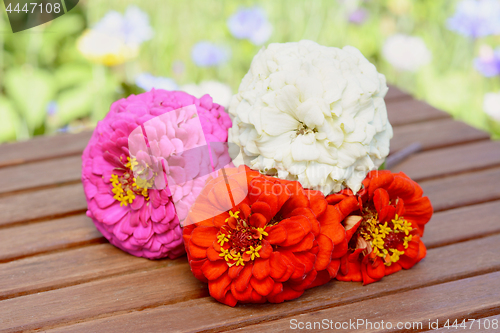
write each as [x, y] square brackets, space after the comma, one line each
[387, 240]
[126, 187]
[239, 241]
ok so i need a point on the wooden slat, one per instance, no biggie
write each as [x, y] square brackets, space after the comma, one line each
[396, 93]
[45, 203]
[462, 224]
[461, 260]
[465, 189]
[50, 172]
[451, 160]
[43, 147]
[475, 325]
[442, 302]
[409, 111]
[66, 268]
[164, 285]
[435, 134]
[34, 238]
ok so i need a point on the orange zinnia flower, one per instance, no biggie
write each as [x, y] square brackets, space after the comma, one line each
[384, 223]
[280, 240]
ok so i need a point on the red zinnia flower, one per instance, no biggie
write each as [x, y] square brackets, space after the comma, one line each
[280, 240]
[384, 223]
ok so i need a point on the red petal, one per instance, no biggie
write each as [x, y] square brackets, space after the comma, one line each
[261, 268]
[213, 270]
[218, 287]
[264, 286]
[349, 271]
[244, 295]
[234, 271]
[263, 208]
[287, 294]
[395, 267]
[295, 232]
[278, 288]
[321, 278]
[333, 267]
[213, 255]
[317, 201]
[379, 179]
[380, 199]
[278, 265]
[324, 255]
[196, 252]
[204, 236]
[307, 259]
[230, 299]
[304, 245]
[241, 282]
[339, 250]
[299, 268]
[266, 250]
[258, 220]
[376, 270]
[304, 284]
[196, 269]
[277, 234]
[387, 214]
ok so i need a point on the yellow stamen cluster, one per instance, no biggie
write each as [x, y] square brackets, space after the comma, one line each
[377, 234]
[238, 239]
[127, 187]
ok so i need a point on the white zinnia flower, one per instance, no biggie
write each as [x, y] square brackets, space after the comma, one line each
[312, 113]
[406, 53]
[491, 105]
[221, 93]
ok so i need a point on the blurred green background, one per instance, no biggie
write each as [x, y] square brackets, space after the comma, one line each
[52, 81]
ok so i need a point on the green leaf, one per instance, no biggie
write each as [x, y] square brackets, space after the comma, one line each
[74, 103]
[9, 121]
[72, 74]
[31, 90]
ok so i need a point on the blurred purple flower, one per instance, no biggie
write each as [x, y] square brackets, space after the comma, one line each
[358, 16]
[250, 23]
[476, 18]
[488, 63]
[133, 27]
[147, 82]
[52, 108]
[207, 54]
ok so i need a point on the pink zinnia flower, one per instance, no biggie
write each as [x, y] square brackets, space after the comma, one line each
[134, 215]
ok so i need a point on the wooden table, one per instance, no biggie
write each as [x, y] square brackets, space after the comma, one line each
[58, 274]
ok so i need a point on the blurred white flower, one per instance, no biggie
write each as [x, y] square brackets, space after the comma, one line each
[312, 113]
[105, 49]
[405, 52]
[221, 93]
[250, 23]
[491, 105]
[132, 28]
[147, 82]
[116, 38]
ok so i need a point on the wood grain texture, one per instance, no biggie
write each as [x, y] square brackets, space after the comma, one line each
[435, 134]
[441, 302]
[458, 225]
[44, 173]
[451, 160]
[34, 238]
[164, 285]
[405, 111]
[46, 203]
[461, 260]
[43, 147]
[460, 190]
[65, 268]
